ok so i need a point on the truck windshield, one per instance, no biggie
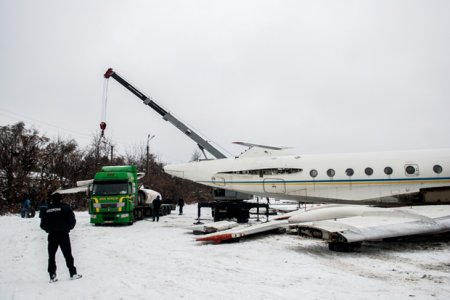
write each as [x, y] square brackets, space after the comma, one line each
[110, 188]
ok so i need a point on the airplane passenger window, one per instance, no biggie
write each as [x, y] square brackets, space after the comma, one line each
[331, 172]
[437, 169]
[313, 173]
[410, 170]
[349, 172]
[388, 171]
[368, 171]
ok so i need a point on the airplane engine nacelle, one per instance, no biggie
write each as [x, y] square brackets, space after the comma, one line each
[147, 195]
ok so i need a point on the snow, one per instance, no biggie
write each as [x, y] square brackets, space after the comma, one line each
[161, 260]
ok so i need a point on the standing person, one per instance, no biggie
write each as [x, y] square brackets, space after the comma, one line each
[156, 208]
[26, 205]
[57, 220]
[180, 205]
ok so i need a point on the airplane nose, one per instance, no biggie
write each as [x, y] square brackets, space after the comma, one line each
[174, 170]
[191, 171]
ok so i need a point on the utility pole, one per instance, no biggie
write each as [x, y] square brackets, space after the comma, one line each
[112, 153]
[149, 138]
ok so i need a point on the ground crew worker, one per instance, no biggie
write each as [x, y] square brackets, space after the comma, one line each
[57, 220]
[26, 206]
[156, 208]
[180, 205]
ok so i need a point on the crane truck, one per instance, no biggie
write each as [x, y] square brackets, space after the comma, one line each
[227, 204]
[115, 197]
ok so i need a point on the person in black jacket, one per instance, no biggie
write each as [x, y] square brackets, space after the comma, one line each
[180, 206]
[57, 220]
[156, 208]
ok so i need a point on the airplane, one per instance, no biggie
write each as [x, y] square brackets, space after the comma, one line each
[381, 179]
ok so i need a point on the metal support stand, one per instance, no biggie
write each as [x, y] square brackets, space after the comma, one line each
[257, 209]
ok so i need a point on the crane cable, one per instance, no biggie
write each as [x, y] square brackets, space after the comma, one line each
[104, 105]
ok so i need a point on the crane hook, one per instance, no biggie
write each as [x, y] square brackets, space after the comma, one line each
[103, 127]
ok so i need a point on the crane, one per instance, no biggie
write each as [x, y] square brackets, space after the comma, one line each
[201, 142]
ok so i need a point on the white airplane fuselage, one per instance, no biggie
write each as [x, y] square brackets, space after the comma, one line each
[358, 178]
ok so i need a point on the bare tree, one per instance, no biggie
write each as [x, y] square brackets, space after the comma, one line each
[19, 156]
[196, 155]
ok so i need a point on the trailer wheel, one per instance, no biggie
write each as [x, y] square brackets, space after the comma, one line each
[148, 212]
[138, 214]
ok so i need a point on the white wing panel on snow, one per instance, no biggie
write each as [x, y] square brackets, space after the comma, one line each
[369, 223]
[78, 189]
[214, 227]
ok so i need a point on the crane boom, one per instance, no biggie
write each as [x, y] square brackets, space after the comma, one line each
[201, 142]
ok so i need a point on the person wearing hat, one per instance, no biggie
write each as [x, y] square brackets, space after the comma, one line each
[57, 220]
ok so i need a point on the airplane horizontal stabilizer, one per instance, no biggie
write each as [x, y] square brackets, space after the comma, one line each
[250, 145]
[256, 150]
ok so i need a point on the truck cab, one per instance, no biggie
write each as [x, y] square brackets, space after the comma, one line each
[114, 195]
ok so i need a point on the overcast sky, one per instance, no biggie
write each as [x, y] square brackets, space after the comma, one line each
[320, 76]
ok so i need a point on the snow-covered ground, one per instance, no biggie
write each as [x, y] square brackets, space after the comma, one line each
[152, 260]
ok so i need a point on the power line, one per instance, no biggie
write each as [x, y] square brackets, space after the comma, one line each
[8, 114]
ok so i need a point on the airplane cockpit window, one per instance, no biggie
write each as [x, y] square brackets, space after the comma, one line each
[313, 173]
[331, 173]
[368, 171]
[437, 169]
[349, 172]
[388, 171]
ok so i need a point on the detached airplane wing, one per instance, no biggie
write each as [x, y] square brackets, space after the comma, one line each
[82, 186]
[353, 224]
[75, 190]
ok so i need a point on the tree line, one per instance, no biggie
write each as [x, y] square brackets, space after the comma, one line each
[34, 166]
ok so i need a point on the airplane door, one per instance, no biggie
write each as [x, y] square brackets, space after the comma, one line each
[274, 185]
[219, 181]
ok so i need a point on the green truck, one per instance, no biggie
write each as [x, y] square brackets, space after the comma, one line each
[115, 197]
